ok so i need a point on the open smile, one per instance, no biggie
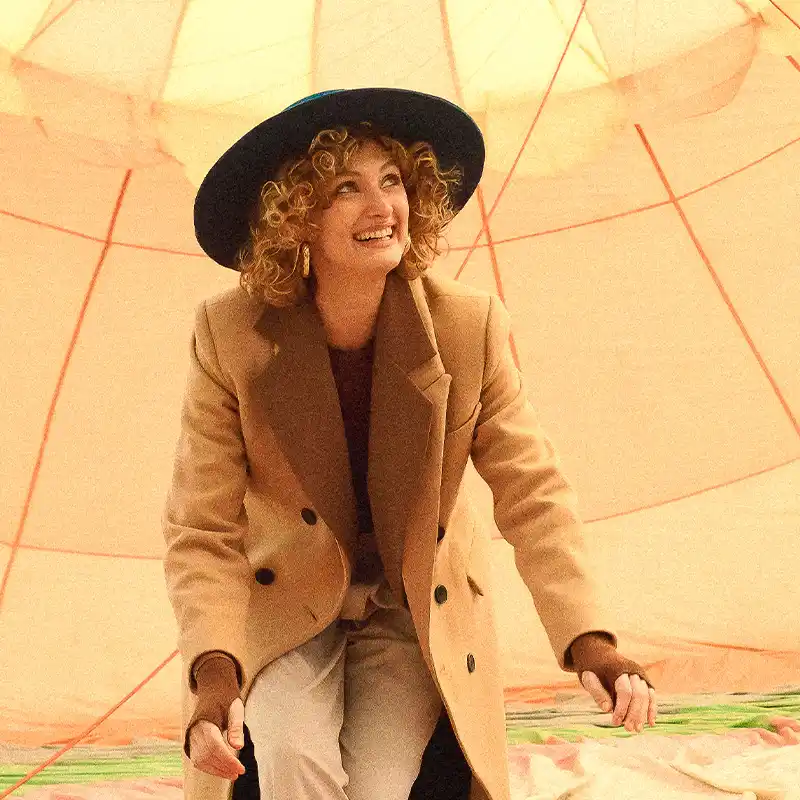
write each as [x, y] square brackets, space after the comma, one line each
[376, 238]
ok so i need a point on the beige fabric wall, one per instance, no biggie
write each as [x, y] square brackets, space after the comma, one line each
[639, 215]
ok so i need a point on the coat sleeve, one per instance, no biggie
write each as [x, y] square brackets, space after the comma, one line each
[535, 507]
[204, 520]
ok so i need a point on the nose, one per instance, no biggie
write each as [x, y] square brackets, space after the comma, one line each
[377, 201]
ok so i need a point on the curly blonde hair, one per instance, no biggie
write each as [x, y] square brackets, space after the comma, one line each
[269, 263]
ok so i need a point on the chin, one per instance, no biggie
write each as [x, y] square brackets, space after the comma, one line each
[387, 261]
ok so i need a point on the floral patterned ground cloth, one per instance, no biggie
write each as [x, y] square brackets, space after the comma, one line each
[743, 745]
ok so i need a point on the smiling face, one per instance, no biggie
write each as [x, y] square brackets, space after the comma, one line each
[367, 200]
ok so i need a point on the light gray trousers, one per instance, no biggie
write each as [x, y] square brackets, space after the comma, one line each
[348, 714]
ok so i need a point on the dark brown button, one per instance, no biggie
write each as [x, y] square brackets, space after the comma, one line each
[470, 663]
[309, 516]
[440, 594]
[440, 534]
[265, 576]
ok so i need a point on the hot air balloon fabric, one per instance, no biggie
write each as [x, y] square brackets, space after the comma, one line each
[637, 217]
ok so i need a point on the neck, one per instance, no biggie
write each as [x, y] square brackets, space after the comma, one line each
[349, 313]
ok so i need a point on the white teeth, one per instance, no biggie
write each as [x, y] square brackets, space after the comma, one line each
[363, 237]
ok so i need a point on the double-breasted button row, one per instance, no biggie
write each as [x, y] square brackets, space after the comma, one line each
[440, 595]
[440, 592]
[266, 576]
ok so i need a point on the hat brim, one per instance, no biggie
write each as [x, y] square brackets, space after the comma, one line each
[230, 190]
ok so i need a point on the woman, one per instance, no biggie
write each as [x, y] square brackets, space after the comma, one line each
[330, 584]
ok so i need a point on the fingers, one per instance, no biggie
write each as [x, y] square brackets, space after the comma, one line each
[236, 724]
[639, 705]
[624, 695]
[210, 753]
[635, 703]
[591, 683]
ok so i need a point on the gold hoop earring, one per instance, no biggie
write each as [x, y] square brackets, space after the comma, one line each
[304, 249]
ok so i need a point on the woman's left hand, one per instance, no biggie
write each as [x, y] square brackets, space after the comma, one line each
[615, 682]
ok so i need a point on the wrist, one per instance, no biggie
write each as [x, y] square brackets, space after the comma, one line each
[219, 671]
[589, 644]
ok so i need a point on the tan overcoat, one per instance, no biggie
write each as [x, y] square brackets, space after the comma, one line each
[262, 444]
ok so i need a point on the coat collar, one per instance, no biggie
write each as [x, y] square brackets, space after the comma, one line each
[300, 397]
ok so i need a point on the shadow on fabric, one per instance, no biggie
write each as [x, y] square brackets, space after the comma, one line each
[443, 775]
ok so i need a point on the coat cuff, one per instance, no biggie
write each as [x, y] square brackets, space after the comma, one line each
[607, 635]
[200, 660]
[192, 665]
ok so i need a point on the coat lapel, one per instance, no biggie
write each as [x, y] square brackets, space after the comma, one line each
[299, 395]
[407, 366]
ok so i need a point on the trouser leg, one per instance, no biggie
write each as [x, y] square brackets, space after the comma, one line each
[349, 716]
[443, 775]
[391, 706]
[294, 714]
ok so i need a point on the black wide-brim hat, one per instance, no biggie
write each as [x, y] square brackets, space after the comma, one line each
[228, 194]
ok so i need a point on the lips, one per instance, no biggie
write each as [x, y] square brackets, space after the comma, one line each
[387, 232]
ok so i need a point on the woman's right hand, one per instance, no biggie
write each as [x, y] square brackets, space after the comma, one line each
[219, 709]
[214, 752]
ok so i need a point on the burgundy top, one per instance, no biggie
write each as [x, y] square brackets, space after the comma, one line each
[352, 371]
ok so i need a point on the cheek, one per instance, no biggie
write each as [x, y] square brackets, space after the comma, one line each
[335, 241]
[332, 232]
[401, 207]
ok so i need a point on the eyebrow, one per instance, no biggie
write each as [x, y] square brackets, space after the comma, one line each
[389, 163]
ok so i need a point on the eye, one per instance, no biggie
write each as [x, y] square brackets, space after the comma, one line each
[343, 185]
[395, 177]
